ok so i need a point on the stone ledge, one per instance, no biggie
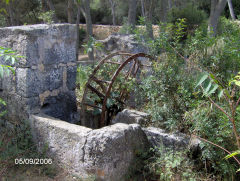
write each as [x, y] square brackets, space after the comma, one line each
[156, 136]
[106, 152]
[131, 116]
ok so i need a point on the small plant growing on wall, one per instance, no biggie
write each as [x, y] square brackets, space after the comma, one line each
[47, 17]
[10, 57]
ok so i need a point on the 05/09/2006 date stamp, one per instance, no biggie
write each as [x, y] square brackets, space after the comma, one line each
[33, 161]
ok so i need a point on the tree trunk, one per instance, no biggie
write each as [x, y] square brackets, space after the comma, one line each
[11, 14]
[142, 8]
[44, 6]
[70, 11]
[217, 7]
[164, 10]
[231, 9]
[77, 27]
[113, 5]
[86, 9]
[169, 4]
[149, 16]
[51, 7]
[132, 11]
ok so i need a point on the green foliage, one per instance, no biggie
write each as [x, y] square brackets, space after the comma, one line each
[172, 98]
[82, 35]
[169, 165]
[212, 124]
[219, 116]
[168, 91]
[217, 54]
[91, 44]
[21, 12]
[2, 20]
[126, 28]
[9, 57]
[83, 73]
[236, 80]
[104, 73]
[190, 13]
[232, 154]
[16, 143]
[47, 17]
[236, 7]
[20, 140]
[162, 164]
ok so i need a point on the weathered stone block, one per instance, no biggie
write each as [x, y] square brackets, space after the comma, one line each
[106, 153]
[8, 82]
[18, 107]
[131, 116]
[118, 42]
[178, 141]
[28, 82]
[42, 73]
[46, 44]
[71, 77]
[55, 78]
[61, 106]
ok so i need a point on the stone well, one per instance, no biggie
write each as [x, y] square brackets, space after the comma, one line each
[105, 153]
[43, 91]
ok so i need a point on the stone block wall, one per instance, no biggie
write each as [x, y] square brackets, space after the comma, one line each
[101, 32]
[44, 79]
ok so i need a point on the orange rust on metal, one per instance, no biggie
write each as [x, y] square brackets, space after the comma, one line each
[106, 86]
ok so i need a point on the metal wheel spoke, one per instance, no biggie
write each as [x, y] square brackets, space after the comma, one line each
[101, 95]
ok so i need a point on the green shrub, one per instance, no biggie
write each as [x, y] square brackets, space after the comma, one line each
[10, 57]
[126, 28]
[82, 35]
[172, 98]
[191, 13]
[83, 73]
[47, 17]
[172, 165]
[16, 142]
[2, 20]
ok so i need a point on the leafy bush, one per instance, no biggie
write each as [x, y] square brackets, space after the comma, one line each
[172, 165]
[9, 57]
[168, 91]
[126, 28]
[2, 20]
[83, 73]
[191, 13]
[171, 95]
[15, 143]
[163, 164]
[91, 44]
[47, 17]
[82, 35]
[236, 7]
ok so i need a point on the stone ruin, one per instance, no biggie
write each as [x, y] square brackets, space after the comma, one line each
[44, 79]
[43, 91]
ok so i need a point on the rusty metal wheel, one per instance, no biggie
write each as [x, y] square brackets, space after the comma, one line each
[100, 84]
